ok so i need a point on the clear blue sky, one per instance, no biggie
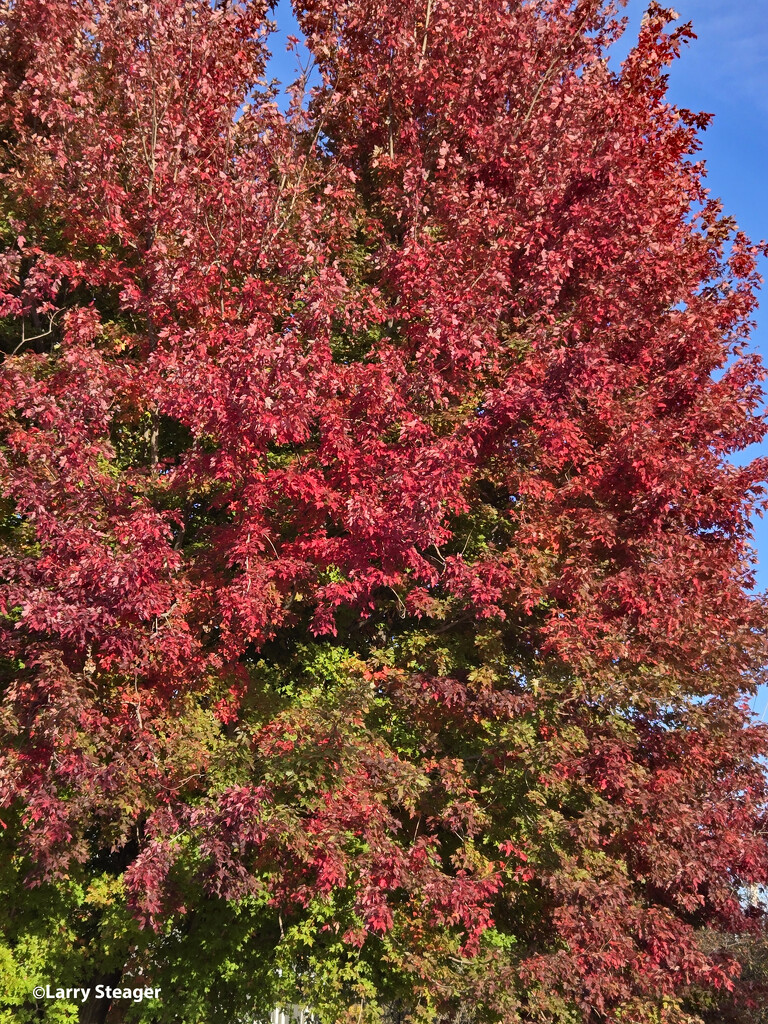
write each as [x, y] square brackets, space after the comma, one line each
[725, 72]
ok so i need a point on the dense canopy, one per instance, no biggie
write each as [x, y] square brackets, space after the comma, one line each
[376, 586]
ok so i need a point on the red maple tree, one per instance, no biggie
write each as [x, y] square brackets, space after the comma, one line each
[373, 559]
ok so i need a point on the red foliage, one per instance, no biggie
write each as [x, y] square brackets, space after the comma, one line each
[458, 351]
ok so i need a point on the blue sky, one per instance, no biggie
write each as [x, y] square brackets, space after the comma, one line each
[725, 72]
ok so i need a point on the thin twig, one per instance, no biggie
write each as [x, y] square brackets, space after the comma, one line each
[426, 32]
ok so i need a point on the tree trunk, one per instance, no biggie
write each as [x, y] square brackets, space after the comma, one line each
[95, 1010]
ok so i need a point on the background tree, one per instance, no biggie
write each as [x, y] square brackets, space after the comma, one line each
[376, 586]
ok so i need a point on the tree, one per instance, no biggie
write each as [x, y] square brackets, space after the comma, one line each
[377, 592]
